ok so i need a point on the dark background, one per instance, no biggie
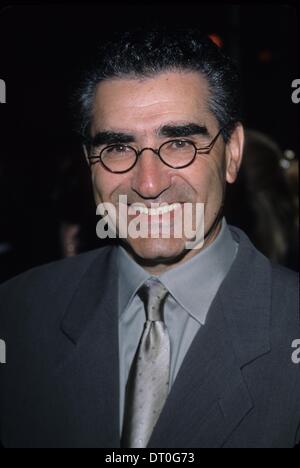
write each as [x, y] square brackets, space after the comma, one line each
[44, 179]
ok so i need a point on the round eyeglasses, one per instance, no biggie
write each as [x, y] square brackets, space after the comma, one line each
[177, 154]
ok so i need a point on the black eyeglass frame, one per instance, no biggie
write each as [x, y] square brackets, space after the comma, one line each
[205, 150]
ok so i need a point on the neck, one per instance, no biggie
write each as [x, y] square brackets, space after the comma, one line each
[158, 266]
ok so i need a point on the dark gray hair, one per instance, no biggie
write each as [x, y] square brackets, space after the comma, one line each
[140, 53]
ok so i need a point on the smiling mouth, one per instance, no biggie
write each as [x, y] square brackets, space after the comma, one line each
[142, 209]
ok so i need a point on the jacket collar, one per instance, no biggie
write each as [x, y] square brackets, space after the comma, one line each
[245, 296]
[96, 293]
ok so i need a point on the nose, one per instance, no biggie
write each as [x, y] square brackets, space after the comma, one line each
[151, 176]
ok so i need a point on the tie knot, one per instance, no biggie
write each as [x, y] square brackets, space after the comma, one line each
[153, 293]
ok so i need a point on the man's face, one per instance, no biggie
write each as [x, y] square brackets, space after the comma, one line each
[142, 109]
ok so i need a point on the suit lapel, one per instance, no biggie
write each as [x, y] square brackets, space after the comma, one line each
[209, 398]
[89, 375]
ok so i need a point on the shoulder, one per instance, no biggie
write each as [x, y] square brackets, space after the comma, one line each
[57, 279]
[256, 263]
[258, 277]
[285, 285]
[281, 274]
[285, 298]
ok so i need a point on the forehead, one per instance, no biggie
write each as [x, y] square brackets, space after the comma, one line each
[142, 104]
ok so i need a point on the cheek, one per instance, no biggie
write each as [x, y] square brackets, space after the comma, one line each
[104, 184]
[207, 178]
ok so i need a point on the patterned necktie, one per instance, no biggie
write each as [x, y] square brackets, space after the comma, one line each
[148, 382]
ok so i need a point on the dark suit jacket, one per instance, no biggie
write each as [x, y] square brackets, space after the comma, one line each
[237, 387]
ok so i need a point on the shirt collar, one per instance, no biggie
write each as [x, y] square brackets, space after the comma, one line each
[131, 277]
[192, 283]
[195, 283]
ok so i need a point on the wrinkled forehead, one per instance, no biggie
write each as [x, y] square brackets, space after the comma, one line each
[142, 104]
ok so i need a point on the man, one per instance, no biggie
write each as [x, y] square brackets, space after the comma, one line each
[155, 341]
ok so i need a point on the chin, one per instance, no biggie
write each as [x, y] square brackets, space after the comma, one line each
[153, 250]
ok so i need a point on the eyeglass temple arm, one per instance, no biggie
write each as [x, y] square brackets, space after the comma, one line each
[209, 147]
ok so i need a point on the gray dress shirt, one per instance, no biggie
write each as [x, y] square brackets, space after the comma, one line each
[192, 286]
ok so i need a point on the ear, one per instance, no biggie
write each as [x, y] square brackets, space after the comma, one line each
[234, 153]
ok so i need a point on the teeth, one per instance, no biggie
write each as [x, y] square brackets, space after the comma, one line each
[155, 211]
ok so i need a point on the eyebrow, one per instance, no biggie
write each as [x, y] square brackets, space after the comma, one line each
[108, 137]
[189, 129]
